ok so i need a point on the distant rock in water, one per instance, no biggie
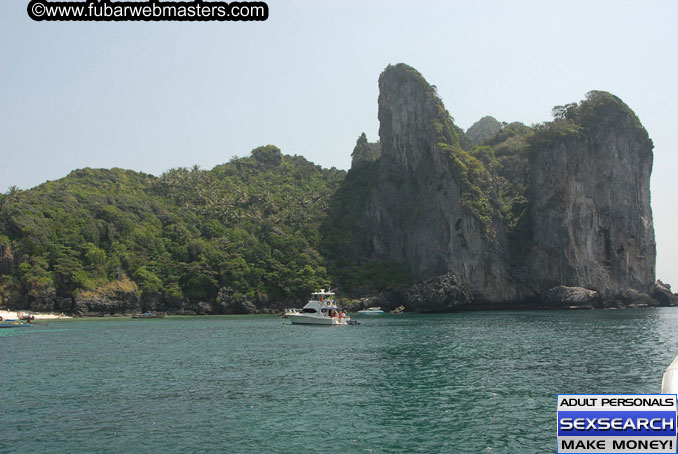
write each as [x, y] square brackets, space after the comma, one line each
[482, 130]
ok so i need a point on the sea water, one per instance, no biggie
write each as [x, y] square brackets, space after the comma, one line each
[458, 383]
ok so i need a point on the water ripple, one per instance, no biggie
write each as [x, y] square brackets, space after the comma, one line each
[462, 383]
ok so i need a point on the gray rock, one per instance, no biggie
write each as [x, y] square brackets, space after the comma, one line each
[589, 199]
[108, 301]
[79, 308]
[633, 298]
[662, 293]
[230, 301]
[586, 221]
[64, 305]
[440, 294]
[44, 300]
[203, 308]
[418, 211]
[572, 297]
[664, 284]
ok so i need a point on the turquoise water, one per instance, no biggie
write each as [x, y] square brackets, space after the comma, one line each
[460, 383]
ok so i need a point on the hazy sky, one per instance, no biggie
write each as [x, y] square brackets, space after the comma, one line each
[152, 96]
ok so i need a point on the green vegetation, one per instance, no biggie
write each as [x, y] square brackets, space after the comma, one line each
[471, 173]
[511, 169]
[599, 110]
[474, 182]
[250, 227]
[265, 230]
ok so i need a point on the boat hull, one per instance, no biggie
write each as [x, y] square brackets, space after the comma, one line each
[15, 325]
[302, 319]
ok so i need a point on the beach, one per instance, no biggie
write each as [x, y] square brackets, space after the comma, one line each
[11, 315]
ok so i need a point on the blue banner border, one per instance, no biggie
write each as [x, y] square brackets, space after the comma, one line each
[634, 394]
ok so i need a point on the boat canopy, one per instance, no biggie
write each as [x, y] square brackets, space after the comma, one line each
[322, 292]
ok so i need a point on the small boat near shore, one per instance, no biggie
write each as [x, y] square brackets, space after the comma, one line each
[321, 309]
[371, 311]
[15, 324]
[150, 315]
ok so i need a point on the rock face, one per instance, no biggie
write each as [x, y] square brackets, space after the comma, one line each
[43, 300]
[118, 297]
[581, 220]
[563, 296]
[441, 294]
[590, 202]
[632, 298]
[365, 151]
[662, 293]
[232, 302]
[420, 209]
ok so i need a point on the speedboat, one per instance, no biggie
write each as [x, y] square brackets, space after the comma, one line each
[320, 310]
[150, 315]
[371, 311]
[14, 324]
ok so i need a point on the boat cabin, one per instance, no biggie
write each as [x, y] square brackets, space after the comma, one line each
[322, 303]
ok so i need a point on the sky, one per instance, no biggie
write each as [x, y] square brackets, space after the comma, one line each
[151, 96]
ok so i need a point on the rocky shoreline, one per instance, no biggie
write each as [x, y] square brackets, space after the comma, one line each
[441, 294]
[447, 293]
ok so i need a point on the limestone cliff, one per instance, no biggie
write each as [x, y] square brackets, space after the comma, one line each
[566, 203]
[590, 200]
[431, 204]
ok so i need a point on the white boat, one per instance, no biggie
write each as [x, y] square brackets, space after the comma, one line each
[287, 312]
[670, 378]
[320, 310]
[371, 311]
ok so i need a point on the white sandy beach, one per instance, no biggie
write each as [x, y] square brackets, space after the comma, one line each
[9, 315]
